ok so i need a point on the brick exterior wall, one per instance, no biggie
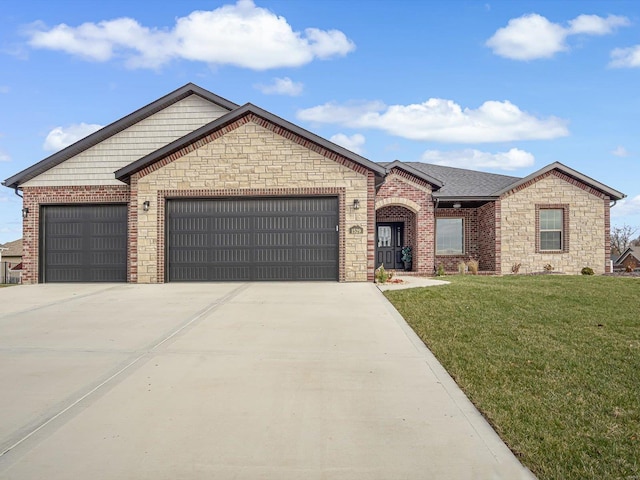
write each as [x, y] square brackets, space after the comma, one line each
[252, 157]
[487, 237]
[629, 262]
[585, 226]
[35, 197]
[406, 193]
[470, 225]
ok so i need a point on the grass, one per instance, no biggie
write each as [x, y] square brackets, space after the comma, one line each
[552, 362]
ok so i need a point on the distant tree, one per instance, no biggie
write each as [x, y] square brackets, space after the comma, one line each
[622, 238]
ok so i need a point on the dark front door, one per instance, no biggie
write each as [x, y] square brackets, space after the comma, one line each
[389, 245]
[255, 239]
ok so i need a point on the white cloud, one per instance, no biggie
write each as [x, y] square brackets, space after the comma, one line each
[354, 143]
[625, 57]
[281, 86]
[4, 157]
[626, 207]
[441, 120]
[620, 151]
[240, 34]
[533, 36]
[473, 159]
[61, 137]
[595, 25]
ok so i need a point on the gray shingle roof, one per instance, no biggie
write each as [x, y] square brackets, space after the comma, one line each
[13, 249]
[460, 182]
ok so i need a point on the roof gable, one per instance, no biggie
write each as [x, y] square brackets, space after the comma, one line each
[216, 128]
[590, 182]
[416, 173]
[632, 250]
[114, 128]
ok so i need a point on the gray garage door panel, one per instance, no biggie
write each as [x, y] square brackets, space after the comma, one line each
[252, 239]
[84, 243]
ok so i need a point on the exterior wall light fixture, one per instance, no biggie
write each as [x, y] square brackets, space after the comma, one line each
[146, 205]
[356, 204]
[457, 205]
[25, 212]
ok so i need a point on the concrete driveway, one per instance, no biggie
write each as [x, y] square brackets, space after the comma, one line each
[242, 381]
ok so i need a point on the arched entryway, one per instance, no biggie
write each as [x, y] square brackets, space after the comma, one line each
[396, 227]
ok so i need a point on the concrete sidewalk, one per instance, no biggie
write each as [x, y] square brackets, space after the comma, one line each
[270, 381]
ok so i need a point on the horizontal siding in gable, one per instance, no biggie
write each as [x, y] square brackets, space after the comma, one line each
[96, 165]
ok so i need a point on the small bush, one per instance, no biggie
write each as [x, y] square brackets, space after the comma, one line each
[381, 275]
[587, 271]
[407, 254]
[473, 266]
[548, 267]
[515, 268]
[628, 268]
[440, 271]
[462, 268]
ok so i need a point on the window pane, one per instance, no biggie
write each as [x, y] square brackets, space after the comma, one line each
[384, 236]
[551, 219]
[551, 226]
[449, 236]
[550, 240]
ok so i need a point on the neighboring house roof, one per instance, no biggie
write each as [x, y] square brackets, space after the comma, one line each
[633, 250]
[125, 173]
[17, 267]
[114, 128]
[12, 249]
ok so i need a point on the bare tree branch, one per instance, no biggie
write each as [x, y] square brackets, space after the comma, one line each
[622, 238]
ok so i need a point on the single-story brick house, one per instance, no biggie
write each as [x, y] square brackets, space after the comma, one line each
[193, 187]
[629, 259]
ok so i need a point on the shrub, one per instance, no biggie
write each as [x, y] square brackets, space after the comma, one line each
[473, 266]
[440, 271]
[407, 255]
[462, 268]
[548, 267]
[587, 271]
[381, 275]
[628, 268]
[515, 268]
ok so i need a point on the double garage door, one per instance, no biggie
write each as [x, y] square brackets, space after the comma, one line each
[245, 239]
[252, 239]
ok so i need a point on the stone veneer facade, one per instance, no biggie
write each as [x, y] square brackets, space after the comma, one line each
[251, 157]
[586, 229]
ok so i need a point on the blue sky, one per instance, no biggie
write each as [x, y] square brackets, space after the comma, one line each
[505, 87]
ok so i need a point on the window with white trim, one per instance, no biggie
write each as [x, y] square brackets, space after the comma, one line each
[449, 236]
[551, 229]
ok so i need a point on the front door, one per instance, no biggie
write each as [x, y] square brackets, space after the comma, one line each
[389, 245]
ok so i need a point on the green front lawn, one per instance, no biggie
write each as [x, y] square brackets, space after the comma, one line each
[553, 363]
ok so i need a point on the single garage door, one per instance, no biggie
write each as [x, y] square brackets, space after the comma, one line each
[84, 243]
[252, 239]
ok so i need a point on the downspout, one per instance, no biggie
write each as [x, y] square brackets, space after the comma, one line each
[613, 204]
[17, 192]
